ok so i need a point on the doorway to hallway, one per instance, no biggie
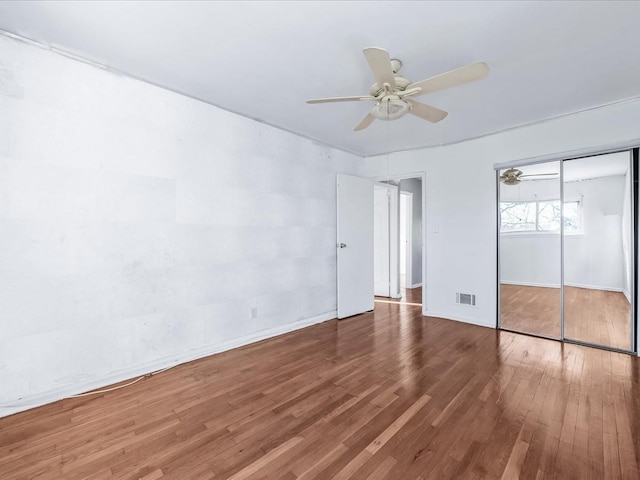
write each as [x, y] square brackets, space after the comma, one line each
[398, 240]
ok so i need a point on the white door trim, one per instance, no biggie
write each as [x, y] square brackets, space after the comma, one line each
[408, 269]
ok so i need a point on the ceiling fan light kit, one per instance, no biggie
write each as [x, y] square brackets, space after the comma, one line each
[390, 109]
[391, 89]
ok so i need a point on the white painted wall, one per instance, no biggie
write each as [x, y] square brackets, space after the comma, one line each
[530, 259]
[414, 185]
[461, 198]
[596, 259]
[139, 227]
[593, 258]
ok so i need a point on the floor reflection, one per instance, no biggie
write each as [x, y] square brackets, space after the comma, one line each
[594, 316]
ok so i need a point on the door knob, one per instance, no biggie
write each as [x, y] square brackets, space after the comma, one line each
[341, 245]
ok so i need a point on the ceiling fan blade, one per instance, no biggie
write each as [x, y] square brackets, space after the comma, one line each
[366, 121]
[539, 175]
[426, 112]
[341, 99]
[380, 64]
[453, 78]
[409, 92]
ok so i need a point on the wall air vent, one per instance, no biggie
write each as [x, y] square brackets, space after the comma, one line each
[466, 299]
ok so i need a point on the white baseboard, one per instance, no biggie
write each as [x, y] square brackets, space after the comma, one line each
[393, 295]
[39, 399]
[568, 284]
[416, 285]
[594, 287]
[457, 318]
[530, 284]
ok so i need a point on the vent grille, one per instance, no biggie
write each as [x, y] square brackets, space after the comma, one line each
[466, 299]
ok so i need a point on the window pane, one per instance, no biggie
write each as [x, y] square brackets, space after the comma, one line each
[549, 216]
[571, 217]
[517, 216]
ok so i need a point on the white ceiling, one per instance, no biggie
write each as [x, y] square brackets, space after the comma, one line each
[596, 167]
[264, 59]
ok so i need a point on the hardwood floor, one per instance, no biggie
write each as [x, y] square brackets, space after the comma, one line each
[594, 316]
[412, 295]
[598, 316]
[408, 295]
[530, 309]
[385, 395]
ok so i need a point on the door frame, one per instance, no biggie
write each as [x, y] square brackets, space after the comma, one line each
[408, 268]
[422, 175]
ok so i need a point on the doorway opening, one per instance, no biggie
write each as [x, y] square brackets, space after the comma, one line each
[398, 241]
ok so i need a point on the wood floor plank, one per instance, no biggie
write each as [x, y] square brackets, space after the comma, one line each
[264, 461]
[383, 470]
[392, 429]
[516, 459]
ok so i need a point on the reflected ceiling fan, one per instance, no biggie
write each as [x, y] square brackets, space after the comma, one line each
[391, 91]
[513, 176]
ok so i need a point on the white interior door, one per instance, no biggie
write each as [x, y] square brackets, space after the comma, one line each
[354, 245]
[386, 240]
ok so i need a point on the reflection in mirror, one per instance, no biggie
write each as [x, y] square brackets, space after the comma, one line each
[598, 255]
[530, 264]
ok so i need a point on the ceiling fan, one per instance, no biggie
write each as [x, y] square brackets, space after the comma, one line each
[391, 91]
[513, 176]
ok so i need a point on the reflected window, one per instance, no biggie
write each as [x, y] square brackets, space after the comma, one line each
[572, 217]
[538, 216]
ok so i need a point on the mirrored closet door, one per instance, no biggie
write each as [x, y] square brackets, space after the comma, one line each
[566, 250]
[598, 253]
[530, 244]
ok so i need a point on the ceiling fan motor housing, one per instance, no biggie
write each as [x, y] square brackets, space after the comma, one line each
[401, 85]
[511, 176]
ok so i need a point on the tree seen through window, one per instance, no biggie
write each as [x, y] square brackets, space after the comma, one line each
[538, 216]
